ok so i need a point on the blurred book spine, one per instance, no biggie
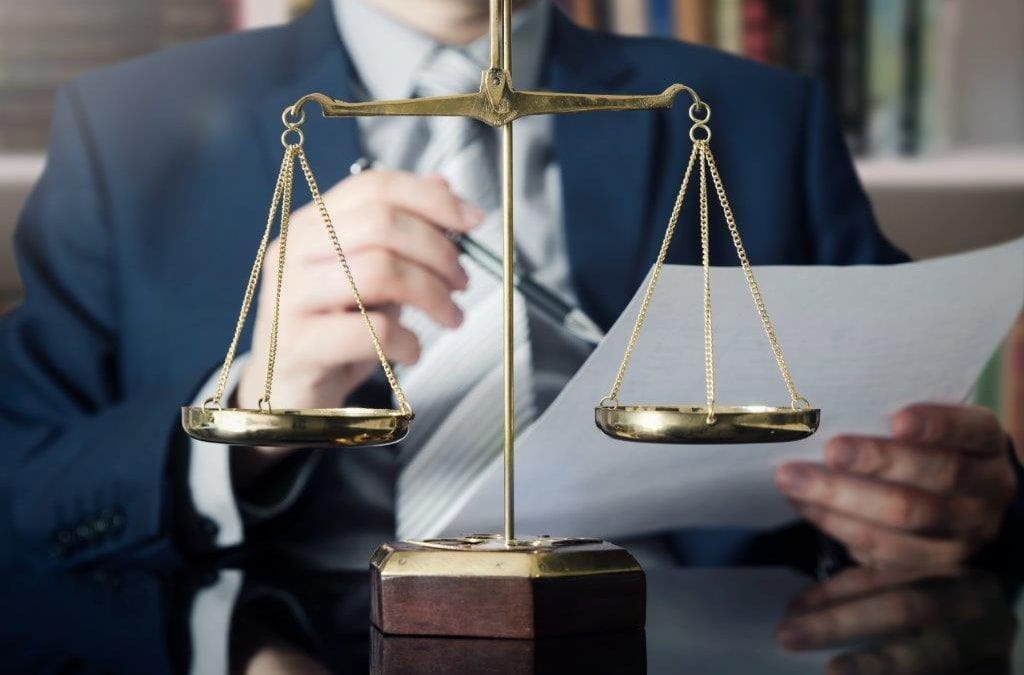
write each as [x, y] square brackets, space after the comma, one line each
[888, 64]
[728, 21]
[694, 21]
[44, 43]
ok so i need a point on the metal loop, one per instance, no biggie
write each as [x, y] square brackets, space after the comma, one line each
[701, 126]
[291, 124]
[609, 399]
[800, 403]
[264, 406]
[211, 404]
[295, 130]
[695, 107]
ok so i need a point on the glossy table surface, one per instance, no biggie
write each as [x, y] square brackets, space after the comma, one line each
[699, 620]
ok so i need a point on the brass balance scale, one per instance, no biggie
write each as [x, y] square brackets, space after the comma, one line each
[502, 585]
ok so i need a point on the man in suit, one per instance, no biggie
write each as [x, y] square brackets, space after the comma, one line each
[134, 244]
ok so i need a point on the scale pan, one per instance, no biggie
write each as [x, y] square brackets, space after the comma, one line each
[326, 427]
[688, 424]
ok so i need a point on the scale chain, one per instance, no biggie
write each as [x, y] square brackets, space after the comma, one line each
[340, 253]
[701, 152]
[655, 273]
[283, 191]
[796, 401]
[282, 244]
[250, 289]
[705, 245]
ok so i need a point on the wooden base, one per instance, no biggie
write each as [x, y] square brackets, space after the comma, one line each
[622, 653]
[481, 586]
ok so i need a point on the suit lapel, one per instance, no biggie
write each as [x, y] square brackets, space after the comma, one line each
[605, 159]
[313, 60]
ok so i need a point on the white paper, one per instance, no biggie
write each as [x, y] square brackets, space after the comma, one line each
[860, 341]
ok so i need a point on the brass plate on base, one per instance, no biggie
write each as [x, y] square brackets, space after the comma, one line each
[688, 424]
[324, 427]
[479, 586]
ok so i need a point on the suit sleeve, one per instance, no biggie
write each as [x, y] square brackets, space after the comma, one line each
[86, 469]
[842, 224]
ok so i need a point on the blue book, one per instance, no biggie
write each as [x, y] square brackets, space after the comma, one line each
[661, 18]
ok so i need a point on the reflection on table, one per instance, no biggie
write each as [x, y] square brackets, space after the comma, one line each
[287, 620]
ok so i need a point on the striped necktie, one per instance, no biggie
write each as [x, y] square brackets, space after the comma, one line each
[456, 387]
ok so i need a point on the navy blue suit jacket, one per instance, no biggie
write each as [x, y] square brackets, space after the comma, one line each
[135, 244]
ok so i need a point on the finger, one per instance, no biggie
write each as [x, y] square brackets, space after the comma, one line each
[428, 198]
[854, 582]
[929, 599]
[889, 612]
[968, 427]
[382, 278]
[979, 647]
[331, 341]
[893, 505]
[877, 546]
[929, 467]
[934, 469]
[382, 225]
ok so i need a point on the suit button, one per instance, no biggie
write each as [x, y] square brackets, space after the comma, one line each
[64, 538]
[84, 531]
[118, 520]
[100, 525]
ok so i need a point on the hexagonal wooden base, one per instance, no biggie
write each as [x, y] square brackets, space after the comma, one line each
[621, 653]
[478, 586]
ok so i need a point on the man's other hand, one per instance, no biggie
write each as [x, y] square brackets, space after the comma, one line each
[931, 495]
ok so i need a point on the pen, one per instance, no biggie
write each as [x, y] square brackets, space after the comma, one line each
[544, 301]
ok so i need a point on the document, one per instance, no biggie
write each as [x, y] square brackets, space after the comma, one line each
[860, 341]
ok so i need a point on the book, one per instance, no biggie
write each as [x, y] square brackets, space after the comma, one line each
[661, 17]
[728, 21]
[692, 20]
[628, 18]
[847, 30]
[885, 74]
[757, 30]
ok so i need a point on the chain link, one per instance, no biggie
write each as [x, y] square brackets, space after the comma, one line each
[340, 253]
[702, 150]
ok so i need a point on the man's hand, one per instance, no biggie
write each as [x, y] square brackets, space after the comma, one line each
[390, 224]
[904, 621]
[929, 496]
[392, 227]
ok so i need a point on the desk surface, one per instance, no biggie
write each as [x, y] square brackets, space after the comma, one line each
[763, 620]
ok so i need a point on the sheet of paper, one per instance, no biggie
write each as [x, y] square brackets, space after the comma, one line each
[860, 341]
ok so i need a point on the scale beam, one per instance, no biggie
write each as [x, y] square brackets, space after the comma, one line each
[496, 104]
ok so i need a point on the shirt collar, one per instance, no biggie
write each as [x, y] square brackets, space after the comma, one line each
[388, 55]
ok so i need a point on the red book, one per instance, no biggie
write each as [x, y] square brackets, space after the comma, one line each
[757, 30]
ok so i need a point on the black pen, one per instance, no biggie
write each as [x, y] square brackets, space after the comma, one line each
[539, 298]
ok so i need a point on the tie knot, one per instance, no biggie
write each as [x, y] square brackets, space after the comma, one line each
[448, 71]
